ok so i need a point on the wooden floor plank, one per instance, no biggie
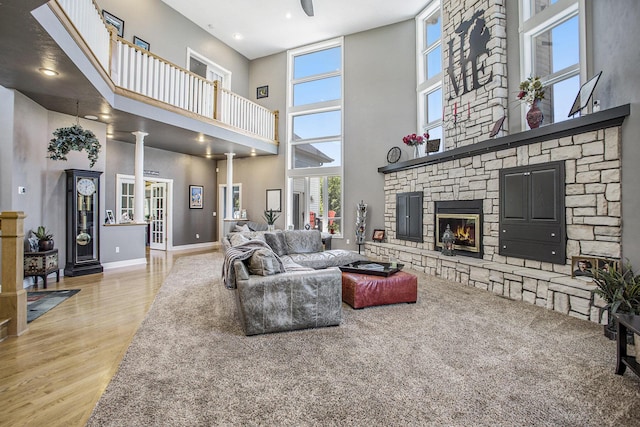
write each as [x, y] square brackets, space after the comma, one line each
[55, 373]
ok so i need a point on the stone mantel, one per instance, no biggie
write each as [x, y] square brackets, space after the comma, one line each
[600, 120]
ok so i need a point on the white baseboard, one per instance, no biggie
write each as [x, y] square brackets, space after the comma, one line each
[125, 263]
[208, 245]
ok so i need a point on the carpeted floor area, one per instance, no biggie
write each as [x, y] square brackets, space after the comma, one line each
[458, 357]
[38, 303]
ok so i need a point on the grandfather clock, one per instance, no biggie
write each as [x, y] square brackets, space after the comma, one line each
[83, 228]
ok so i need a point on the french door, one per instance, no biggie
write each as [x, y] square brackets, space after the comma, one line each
[158, 223]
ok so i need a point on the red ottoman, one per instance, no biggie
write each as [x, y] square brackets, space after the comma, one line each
[366, 290]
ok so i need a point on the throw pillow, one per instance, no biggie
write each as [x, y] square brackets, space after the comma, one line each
[263, 262]
[235, 239]
[244, 227]
[277, 243]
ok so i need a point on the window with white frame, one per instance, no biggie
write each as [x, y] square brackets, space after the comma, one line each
[552, 45]
[429, 54]
[314, 137]
[124, 198]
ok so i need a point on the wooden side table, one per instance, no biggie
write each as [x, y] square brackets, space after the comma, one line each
[626, 322]
[41, 264]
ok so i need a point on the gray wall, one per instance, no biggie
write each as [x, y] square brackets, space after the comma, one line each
[379, 109]
[184, 170]
[170, 33]
[616, 53]
[27, 129]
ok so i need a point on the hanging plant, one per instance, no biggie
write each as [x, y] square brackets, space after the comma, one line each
[74, 138]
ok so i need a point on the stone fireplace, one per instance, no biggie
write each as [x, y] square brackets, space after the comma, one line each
[464, 217]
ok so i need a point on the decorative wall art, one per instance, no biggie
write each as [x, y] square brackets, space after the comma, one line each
[274, 200]
[196, 196]
[114, 21]
[141, 43]
[262, 92]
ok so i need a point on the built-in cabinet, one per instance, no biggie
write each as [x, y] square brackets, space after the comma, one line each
[409, 216]
[532, 216]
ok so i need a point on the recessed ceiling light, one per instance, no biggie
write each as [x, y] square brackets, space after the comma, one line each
[105, 116]
[91, 117]
[109, 135]
[237, 36]
[48, 72]
[288, 15]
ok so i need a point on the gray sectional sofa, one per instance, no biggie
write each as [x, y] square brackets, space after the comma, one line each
[284, 280]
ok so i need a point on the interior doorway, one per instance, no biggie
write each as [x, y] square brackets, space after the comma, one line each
[158, 202]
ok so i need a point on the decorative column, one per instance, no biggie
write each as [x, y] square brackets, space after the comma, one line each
[138, 189]
[13, 298]
[228, 214]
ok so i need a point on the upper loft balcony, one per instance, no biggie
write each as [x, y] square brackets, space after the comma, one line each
[128, 88]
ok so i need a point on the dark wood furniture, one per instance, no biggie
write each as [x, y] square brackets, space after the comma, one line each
[626, 322]
[41, 264]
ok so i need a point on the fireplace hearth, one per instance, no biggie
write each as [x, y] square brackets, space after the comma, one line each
[464, 217]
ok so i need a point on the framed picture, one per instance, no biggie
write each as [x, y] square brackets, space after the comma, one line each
[378, 235]
[273, 200]
[196, 196]
[114, 21]
[141, 43]
[110, 218]
[262, 92]
[584, 94]
[581, 266]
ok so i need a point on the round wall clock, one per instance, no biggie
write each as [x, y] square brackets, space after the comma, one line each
[86, 187]
[394, 155]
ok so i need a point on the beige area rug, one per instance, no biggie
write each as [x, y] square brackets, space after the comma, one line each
[458, 357]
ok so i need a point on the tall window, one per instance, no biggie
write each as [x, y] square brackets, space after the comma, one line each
[429, 46]
[552, 40]
[314, 139]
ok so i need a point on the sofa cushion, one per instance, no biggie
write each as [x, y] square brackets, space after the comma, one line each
[263, 262]
[331, 258]
[277, 243]
[303, 241]
[236, 238]
[241, 228]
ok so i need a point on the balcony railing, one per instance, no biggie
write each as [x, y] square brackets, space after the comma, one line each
[136, 70]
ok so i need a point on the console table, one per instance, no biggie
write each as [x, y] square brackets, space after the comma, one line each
[626, 322]
[41, 264]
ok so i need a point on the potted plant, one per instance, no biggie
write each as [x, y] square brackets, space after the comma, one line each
[74, 138]
[270, 216]
[45, 238]
[620, 289]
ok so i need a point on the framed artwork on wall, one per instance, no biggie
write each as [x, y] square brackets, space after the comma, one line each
[114, 21]
[274, 202]
[378, 235]
[110, 218]
[141, 43]
[196, 196]
[262, 92]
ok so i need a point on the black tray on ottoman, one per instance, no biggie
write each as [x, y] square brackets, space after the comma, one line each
[374, 268]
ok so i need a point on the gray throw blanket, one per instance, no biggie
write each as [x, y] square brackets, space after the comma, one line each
[241, 252]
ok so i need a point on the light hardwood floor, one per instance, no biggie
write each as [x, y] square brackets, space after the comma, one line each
[54, 374]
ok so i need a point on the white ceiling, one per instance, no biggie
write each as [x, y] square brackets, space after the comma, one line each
[266, 29]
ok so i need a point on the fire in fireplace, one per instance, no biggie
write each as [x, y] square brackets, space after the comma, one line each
[464, 217]
[466, 229]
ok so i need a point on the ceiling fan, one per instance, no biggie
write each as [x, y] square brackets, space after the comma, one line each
[307, 6]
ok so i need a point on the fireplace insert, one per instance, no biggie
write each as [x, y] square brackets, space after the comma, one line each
[464, 217]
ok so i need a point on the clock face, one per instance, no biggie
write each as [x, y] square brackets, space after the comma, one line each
[393, 155]
[86, 187]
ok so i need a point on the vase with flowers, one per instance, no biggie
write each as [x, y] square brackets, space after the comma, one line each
[532, 92]
[415, 141]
